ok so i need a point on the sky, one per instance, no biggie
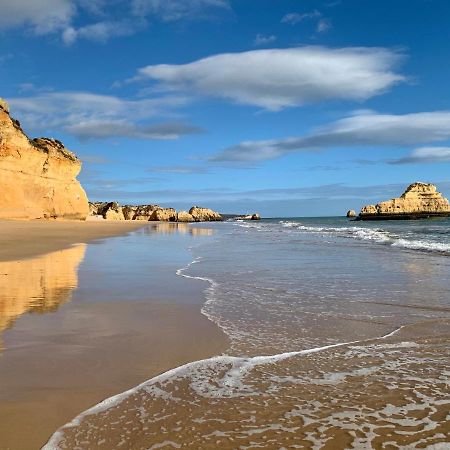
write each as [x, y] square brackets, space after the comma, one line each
[284, 107]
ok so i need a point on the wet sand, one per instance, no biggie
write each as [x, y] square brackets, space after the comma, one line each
[79, 325]
[25, 239]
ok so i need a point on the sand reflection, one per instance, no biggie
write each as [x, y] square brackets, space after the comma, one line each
[38, 285]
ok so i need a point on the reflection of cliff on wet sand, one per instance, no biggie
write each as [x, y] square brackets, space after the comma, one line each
[39, 284]
[180, 228]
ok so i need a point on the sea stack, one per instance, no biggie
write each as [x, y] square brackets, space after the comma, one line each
[351, 213]
[38, 176]
[419, 201]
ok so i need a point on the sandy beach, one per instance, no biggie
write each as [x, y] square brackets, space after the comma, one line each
[77, 326]
[25, 239]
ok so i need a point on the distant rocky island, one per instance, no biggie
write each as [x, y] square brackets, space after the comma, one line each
[419, 201]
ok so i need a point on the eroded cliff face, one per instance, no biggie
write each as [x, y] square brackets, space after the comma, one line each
[37, 177]
[419, 199]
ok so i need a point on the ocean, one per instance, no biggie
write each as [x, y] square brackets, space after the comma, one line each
[339, 336]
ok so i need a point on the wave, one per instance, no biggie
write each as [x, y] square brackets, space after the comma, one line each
[232, 368]
[377, 235]
[423, 245]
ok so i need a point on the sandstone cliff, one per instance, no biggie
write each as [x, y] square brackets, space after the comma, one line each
[420, 200]
[37, 177]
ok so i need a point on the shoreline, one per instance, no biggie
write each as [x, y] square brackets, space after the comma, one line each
[24, 239]
[101, 334]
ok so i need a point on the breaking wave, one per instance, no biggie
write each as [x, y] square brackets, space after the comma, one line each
[377, 235]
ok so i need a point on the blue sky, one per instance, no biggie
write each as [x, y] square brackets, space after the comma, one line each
[286, 107]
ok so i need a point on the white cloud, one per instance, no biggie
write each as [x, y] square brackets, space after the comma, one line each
[111, 19]
[42, 16]
[279, 78]
[97, 129]
[295, 18]
[425, 155]
[172, 10]
[367, 129]
[262, 39]
[100, 31]
[93, 116]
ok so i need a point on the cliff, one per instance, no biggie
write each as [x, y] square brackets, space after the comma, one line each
[38, 176]
[420, 200]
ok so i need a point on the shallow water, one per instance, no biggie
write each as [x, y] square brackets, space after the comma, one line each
[84, 323]
[339, 338]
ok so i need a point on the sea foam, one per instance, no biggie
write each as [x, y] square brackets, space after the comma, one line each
[377, 235]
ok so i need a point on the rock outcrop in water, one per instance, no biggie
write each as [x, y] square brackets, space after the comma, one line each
[204, 214]
[254, 216]
[38, 176]
[113, 211]
[351, 213]
[420, 200]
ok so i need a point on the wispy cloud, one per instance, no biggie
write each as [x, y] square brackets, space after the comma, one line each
[41, 16]
[180, 170]
[367, 129]
[294, 18]
[425, 155]
[279, 78]
[103, 130]
[173, 10]
[262, 39]
[327, 192]
[101, 31]
[93, 116]
[323, 25]
[118, 18]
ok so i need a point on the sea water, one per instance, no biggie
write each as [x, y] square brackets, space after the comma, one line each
[339, 338]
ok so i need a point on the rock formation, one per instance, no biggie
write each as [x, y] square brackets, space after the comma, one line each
[144, 212]
[164, 215]
[113, 211]
[420, 200]
[204, 214]
[184, 216]
[38, 177]
[254, 216]
[351, 213]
